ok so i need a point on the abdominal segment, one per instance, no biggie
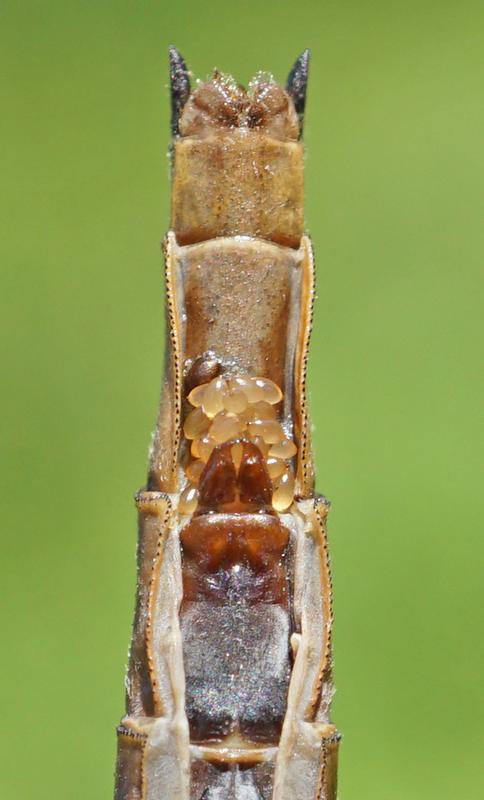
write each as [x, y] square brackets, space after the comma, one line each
[235, 622]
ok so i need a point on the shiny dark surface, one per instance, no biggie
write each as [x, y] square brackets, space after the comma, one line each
[224, 488]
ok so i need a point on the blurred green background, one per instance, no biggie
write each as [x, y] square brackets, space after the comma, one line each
[395, 180]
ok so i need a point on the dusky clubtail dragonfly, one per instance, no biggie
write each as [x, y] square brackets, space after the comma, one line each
[229, 680]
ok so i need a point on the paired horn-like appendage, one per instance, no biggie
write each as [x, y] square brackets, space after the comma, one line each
[179, 85]
[297, 83]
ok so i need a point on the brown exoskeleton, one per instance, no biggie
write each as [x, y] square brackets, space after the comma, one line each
[229, 680]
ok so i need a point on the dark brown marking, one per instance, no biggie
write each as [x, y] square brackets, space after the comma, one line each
[202, 370]
[254, 483]
[223, 540]
[222, 488]
[218, 480]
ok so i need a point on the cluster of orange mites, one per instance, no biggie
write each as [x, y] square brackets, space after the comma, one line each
[232, 408]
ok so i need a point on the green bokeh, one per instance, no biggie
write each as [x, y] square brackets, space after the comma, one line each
[395, 177]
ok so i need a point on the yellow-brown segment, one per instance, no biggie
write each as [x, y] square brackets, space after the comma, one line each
[238, 165]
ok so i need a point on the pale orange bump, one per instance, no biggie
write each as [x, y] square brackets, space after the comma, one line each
[195, 398]
[271, 392]
[226, 426]
[234, 399]
[193, 470]
[275, 467]
[205, 446]
[195, 448]
[284, 449]
[261, 444]
[283, 493]
[195, 423]
[188, 500]
[270, 430]
[254, 392]
[243, 382]
[260, 410]
[212, 401]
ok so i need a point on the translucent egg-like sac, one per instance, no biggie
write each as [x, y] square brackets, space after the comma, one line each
[270, 390]
[195, 448]
[195, 398]
[188, 500]
[261, 444]
[226, 426]
[196, 423]
[235, 399]
[204, 448]
[275, 467]
[255, 393]
[284, 449]
[270, 430]
[243, 382]
[237, 450]
[213, 397]
[261, 410]
[193, 470]
[283, 493]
